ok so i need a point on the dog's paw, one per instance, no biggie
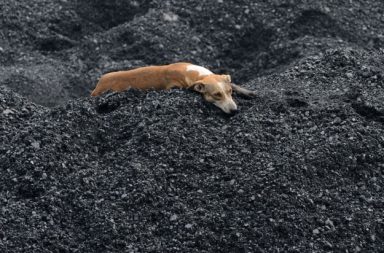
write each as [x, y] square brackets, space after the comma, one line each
[252, 94]
[248, 94]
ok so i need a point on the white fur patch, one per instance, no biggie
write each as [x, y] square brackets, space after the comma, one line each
[201, 70]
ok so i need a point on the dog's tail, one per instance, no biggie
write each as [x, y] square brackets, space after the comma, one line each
[102, 86]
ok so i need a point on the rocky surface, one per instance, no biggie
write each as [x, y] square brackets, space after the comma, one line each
[299, 169]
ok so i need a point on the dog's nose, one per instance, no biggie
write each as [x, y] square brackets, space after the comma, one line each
[233, 111]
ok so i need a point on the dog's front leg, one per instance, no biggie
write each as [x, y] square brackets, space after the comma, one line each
[242, 91]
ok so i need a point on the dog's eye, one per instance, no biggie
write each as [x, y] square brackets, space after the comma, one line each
[217, 95]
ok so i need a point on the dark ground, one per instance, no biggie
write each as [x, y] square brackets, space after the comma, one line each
[299, 169]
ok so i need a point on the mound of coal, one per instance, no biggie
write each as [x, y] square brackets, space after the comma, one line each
[299, 169]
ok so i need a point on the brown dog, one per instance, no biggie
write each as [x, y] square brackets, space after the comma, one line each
[216, 89]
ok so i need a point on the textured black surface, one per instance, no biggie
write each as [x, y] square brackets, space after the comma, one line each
[299, 169]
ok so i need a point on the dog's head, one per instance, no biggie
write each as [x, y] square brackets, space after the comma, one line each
[217, 89]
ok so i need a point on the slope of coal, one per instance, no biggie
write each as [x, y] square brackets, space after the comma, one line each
[299, 169]
[62, 47]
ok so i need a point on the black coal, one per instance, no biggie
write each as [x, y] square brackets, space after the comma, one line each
[299, 169]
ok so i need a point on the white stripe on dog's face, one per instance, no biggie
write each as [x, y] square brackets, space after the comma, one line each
[222, 86]
[201, 70]
[217, 90]
[227, 105]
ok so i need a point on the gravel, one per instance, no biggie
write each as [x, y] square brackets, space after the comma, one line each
[299, 169]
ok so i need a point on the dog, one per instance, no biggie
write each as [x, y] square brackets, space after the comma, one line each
[216, 89]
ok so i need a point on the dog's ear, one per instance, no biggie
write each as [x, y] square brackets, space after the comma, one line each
[199, 87]
[227, 78]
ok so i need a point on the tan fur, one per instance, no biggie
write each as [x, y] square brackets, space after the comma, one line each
[144, 78]
[216, 89]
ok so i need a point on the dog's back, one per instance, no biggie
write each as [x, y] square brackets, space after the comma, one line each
[150, 77]
[140, 78]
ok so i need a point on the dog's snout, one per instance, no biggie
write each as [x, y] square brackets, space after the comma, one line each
[233, 111]
[228, 106]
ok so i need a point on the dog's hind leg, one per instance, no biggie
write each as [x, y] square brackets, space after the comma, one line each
[105, 83]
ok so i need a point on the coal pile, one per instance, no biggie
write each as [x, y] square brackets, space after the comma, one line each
[299, 169]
